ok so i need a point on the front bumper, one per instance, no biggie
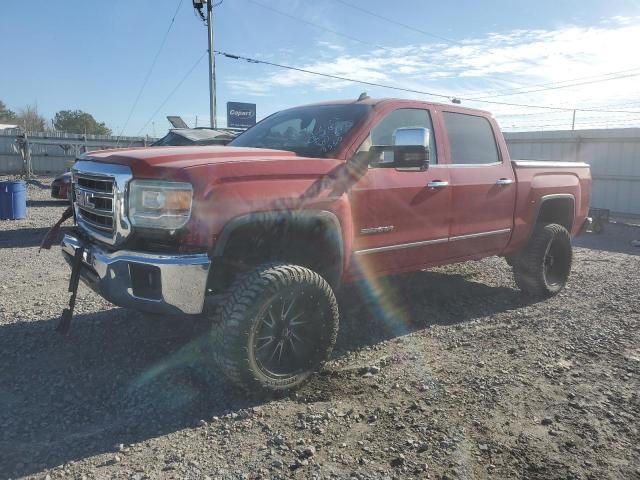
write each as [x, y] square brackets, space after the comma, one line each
[169, 284]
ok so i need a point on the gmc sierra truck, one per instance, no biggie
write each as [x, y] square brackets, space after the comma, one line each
[309, 198]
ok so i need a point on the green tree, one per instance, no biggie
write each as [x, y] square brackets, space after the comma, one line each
[77, 121]
[6, 115]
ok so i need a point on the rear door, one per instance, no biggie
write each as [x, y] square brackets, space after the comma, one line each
[483, 187]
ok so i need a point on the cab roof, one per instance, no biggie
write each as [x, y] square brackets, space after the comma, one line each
[378, 102]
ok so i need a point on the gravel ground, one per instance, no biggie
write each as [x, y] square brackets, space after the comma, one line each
[451, 373]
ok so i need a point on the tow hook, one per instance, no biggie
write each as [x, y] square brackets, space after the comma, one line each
[67, 313]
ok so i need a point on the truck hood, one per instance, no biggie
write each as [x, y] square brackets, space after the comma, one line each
[175, 158]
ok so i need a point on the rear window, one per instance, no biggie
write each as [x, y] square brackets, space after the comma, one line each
[471, 139]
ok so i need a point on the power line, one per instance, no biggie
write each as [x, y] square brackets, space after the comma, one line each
[557, 87]
[315, 25]
[517, 90]
[410, 90]
[591, 117]
[552, 113]
[618, 124]
[153, 64]
[601, 121]
[172, 92]
[395, 22]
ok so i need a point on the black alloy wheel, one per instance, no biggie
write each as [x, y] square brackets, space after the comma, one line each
[543, 266]
[276, 326]
[288, 323]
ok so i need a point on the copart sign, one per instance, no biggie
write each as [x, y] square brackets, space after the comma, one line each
[241, 115]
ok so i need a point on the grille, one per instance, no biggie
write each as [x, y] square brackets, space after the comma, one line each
[93, 197]
[99, 199]
[96, 184]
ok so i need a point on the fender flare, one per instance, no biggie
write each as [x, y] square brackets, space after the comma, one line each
[546, 198]
[326, 217]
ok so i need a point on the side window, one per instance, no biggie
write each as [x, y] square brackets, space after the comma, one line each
[471, 139]
[382, 133]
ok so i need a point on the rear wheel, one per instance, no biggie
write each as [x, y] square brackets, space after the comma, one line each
[543, 266]
[277, 325]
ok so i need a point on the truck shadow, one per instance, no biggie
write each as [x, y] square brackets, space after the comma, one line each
[405, 303]
[121, 378]
[617, 237]
[48, 203]
[26, 237]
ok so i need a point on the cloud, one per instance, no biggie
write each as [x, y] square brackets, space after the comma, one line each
[330, 46]
[496, 63]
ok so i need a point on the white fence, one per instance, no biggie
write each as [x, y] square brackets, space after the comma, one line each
[54, 152]
[614, 156]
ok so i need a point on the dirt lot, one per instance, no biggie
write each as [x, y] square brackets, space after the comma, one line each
[450, 373]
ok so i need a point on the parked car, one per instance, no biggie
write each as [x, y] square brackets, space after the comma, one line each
[258, 235]
[195, 136]
[61, 186]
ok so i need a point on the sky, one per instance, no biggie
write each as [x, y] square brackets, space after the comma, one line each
[96, 55]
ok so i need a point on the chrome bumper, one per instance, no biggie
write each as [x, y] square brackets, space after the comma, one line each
[171, 284]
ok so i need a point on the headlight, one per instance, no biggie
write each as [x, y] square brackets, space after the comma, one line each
[159, 204]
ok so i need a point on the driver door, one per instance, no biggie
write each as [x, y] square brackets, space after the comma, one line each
[401, 218]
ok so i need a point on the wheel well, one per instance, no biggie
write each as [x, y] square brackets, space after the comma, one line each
[558, 210]
[308, 240]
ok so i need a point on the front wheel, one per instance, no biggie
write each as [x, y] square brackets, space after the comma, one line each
[543, 266]
[278, 325]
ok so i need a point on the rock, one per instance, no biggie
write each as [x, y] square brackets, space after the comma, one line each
[422, 447]
[398, 461]
[546, 421]
[307, 452]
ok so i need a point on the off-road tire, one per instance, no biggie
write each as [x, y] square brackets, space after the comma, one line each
[240, 314]
[531, 267]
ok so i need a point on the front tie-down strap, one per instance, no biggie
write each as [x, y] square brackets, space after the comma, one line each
[54, 232]
[67, 313]
[52, 236]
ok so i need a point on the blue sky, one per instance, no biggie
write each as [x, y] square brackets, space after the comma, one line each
[94, 56]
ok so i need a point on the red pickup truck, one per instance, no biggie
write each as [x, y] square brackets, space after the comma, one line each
[311, 197]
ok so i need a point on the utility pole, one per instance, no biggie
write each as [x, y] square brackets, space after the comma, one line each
[212, 66]
[199, 5]
[573, 122]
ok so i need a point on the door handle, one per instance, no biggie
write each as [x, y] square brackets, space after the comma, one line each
[437, 184]
[504, 181]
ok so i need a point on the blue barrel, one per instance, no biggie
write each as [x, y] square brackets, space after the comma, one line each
[13, 200]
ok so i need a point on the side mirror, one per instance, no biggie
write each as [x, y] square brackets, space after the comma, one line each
[409, 152]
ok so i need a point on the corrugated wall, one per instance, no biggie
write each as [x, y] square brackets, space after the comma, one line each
[59, 152]
[614, 156]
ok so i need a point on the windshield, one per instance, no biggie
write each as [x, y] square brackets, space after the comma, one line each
[314, 131]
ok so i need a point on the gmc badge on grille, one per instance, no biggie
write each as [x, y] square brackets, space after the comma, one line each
[85, 199]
